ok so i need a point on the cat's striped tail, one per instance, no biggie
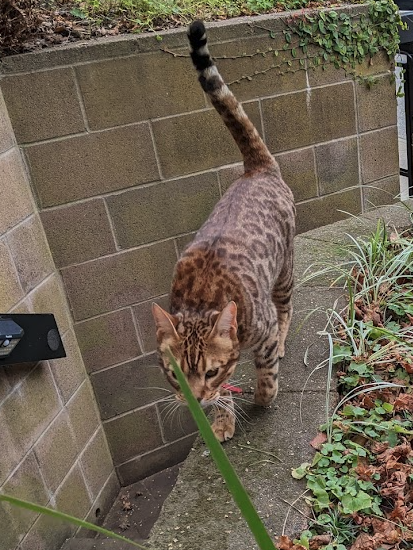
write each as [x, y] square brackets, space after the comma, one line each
[254, 151]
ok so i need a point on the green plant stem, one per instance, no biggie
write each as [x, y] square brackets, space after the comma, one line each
[65, 517]
[231, 478]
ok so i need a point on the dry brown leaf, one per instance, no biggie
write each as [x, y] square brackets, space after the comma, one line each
[318, 441]
[318, 541]
[285, 543]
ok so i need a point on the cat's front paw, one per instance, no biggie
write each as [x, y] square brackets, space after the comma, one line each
[224, 430]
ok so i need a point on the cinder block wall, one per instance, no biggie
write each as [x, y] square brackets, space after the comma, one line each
[127, 158]
[53, 450]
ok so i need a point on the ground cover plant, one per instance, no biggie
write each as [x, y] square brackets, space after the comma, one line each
[361, 478]
[27, 25]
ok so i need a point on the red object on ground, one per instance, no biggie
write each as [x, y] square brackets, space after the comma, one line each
[229, 387]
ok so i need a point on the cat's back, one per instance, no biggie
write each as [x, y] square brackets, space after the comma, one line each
[258, 205]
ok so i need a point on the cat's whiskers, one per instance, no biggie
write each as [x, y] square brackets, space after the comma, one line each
[233, 407]
[156, 388]
[169, 411]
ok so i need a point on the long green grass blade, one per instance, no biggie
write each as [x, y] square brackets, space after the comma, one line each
[225, 467]
[65, 517]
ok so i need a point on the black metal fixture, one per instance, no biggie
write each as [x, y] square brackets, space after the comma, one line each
[28, 338]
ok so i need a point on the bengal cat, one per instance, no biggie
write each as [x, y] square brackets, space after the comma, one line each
[232, 285]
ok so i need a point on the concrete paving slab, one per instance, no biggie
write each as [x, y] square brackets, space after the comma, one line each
[201, 509]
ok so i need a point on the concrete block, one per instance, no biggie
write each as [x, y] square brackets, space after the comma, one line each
[68, 372]
[101, 505]
[56, 451]
[311, 114]
[177, 424]
[120, 280]
[154, 461]
[31, 253]
[229, 174]
[26, 483]
[72, 496]
[163, 210]
[18, 202]
[5, 387]
[96, 463]
[16, 373]
[121, 91]
[129, 386]
[11, 452]
[108, 339]
[337, 165]
[318, 77]
[255, 55]
[382, 192]
[83, 414]
[326, 74]
[10, 288]
[379, 154]
[43, 105]
[78, 232]
[298, 172]
[26, 413]
[146, 325]
[182, 242]
[197, 141]
[133, 433]
[328, 209]
[46, 533]
[377, 105]
[49, 297]
[7, 139]
[379, 64]
[124, 155]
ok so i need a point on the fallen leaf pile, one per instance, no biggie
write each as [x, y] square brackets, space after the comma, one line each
[395, 468]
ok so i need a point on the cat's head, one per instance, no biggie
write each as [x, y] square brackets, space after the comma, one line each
[205, 346]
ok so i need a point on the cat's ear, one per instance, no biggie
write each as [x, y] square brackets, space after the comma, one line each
[165, 323]
[226, 325]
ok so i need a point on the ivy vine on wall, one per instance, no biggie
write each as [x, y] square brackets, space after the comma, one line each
[319, 38]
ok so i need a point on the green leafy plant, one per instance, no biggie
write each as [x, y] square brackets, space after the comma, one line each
[371, 342]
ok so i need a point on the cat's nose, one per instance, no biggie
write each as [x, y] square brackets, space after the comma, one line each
[199, 399]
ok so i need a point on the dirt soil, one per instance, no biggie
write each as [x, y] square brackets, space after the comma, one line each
[28, 25]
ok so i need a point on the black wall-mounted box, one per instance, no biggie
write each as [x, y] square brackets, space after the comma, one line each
[28, 338]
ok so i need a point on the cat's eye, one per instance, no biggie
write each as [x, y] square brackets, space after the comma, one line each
[173, 374]
[211, 373]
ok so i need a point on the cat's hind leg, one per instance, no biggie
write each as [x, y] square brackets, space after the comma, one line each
[282, 299]
[267, 363]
